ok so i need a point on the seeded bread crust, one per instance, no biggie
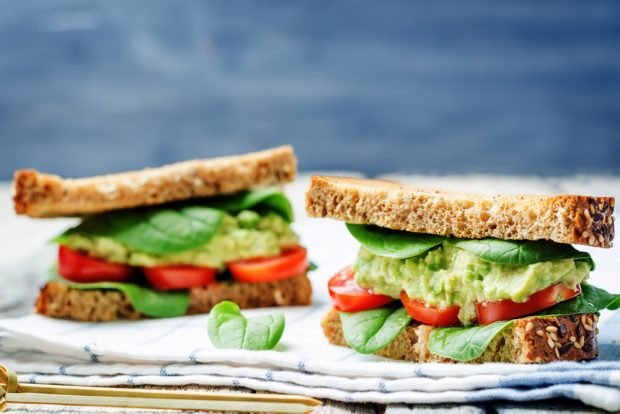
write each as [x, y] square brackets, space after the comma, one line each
[60, 301]
[570, 219]
[528, 340]
[43, 195]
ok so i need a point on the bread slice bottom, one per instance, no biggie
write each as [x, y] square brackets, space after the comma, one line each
[527, 340]
[60, 301]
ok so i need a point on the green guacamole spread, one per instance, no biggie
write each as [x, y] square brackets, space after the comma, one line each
[449, 275]
[244, 236]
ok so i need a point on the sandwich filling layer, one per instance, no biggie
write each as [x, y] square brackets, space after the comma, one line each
[244, 235]
[448, 275]
[155, 256]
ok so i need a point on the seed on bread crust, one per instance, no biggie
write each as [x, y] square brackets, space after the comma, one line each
[565, 348]
[562, 330]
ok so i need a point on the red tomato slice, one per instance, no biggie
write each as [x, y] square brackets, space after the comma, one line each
[489, 312]
[291, 262]
[179, 277]
[348, 296]
[82, 268]
[430, 315]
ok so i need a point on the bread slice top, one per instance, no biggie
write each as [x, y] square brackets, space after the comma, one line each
[44, 195]
[571, 219]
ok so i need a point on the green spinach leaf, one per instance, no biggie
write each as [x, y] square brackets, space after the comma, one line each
[392, 243]
[228, 328]
[372, 330]
[591, 300]
[464, 343]
[155, 230]
[520, 252]
[153, 303]
[271, 198]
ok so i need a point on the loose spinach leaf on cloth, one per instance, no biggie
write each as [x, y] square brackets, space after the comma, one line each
[467, 343]
[154, 230]
[372, 330]
[271, 198]
[521, 252]
[153, 303]
[392, 243]
[228, 328]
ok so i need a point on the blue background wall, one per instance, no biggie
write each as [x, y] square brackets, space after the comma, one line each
[525, 87]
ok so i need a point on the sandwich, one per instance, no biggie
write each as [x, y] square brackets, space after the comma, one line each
[452, 276]
[171, 241]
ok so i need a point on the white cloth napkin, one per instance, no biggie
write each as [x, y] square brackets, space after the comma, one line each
[177, 351]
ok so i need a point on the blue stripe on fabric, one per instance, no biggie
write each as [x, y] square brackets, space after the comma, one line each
[578, 366]
[537, 380]
[193, 356]
[513, 394]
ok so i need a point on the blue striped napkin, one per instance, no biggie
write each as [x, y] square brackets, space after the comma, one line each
[178, 352]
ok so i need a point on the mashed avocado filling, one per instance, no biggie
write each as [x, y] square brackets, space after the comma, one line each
[448, 275]
[243, 235]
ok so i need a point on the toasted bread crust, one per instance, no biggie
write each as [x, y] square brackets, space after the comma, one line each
[43, 195]
[60, 301]
[528, 340]
[571, 219]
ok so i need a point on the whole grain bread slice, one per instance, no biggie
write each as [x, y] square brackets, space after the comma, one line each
[43, 195]
[527, 340]
[58, 300]
[562, 218]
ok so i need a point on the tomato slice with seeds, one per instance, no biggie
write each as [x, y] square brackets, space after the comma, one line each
[430, 315]
[489, 312]
[179, 276]
[292, 262]
[79, 267]
[348, 296]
